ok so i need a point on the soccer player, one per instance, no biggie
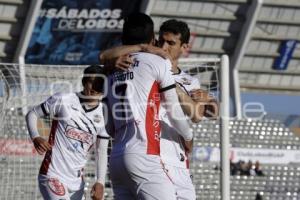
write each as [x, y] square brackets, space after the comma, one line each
[77, 125]
[174, 39]
[134, 99]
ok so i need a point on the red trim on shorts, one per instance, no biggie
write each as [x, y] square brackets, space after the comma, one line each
[187, 162]
[152, 124]
[47, 159]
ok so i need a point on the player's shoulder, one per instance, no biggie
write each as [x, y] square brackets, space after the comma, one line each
[63, 96]
[153, 58]
[185, 75]
[186, 79]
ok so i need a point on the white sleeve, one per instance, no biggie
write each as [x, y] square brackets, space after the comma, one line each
[102, 133]
[171, 102]
[52, 105]
[31, 120]
[195, 83]
[101, 159]
[164, 75]
[42, 110]
[108, 119]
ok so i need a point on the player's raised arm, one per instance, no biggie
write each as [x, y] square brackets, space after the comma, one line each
[119, 57]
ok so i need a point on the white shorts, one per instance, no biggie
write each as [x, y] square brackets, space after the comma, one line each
[53, 189]
[182, 181]
[140, 177]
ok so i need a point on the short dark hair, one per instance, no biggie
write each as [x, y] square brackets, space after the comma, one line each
[138, 28]
[176, 27]
[99, 78]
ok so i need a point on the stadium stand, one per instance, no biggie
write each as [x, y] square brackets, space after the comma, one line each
[279, 181]
[217, 28]
[18, 173]
[12, 17]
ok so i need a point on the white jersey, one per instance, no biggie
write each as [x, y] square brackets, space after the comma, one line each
[138, 130]
[74, 131]
[172, 148]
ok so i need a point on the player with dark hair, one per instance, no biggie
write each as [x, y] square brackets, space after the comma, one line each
[174, 40]
[175, 27]
[137, 31]
[77, 125]
[134, 99]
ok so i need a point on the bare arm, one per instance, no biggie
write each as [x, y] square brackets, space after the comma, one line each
[118, 51]
[193, 109]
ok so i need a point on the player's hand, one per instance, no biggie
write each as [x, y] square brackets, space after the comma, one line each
[41, 145]
[211, 105]
[200, 95]
[155, 50]
[97, 191]
[188, 146]
[211, 109]
[124, 62]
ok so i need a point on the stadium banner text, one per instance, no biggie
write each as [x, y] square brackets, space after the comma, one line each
[74, 32]
[267, 156]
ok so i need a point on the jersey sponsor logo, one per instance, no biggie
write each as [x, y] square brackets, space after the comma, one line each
[79, 135]
[56, 186]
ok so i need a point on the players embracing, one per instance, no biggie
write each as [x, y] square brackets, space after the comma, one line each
[173, 41]
[147, 109]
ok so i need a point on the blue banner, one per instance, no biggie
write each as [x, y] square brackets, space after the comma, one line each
[75, 31]
[286, 52]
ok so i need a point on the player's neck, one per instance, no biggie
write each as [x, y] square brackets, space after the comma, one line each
[176, 70]
[89, 106]
[88, 103]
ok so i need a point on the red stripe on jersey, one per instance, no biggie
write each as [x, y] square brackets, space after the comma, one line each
[47, 159]
[152, 120]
